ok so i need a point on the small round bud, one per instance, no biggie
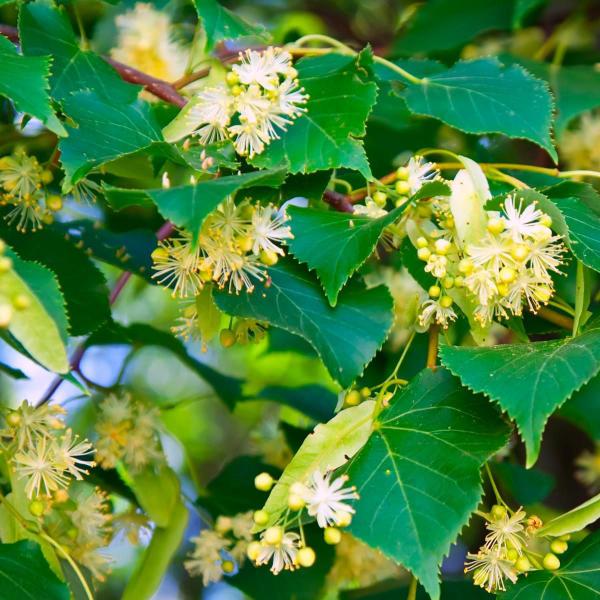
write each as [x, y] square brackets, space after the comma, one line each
[273, 535]
[61, 496]
[261, 517]
[434, 291]
[263, 482]
[297, 488]
[206, 274]
[353, 398]
[519, 252]
[253, 550]
[343, 519]
[268, 257]
[512, 555]
[446, 302]
[400, 201]
[227, 338]
[559, 546]
[36, 508]
[232, 78]
[5, 264]
[365, 392]
[496, 225]
[402, 173]
[523, 565]
[380, 198]
[424, 253]
[54, 202]
[236, 90]
[228, 566]
[6, 313]
[245, 243]
[543, 293]
[498, 512]
[13, 419]
[21, 301]
[542, 232]
[306, 557]
[295, 502]
[47, 176]
[533, 523]
[402, 187]
[442, 246]
[565, 538]
[332, 536]
[73, 533]
[223, 524]
[465, 266]
[546, 221]
[422, 242]
[448, 282]
[423, 210]
[551, 562]
[507, 275]
[459, 282]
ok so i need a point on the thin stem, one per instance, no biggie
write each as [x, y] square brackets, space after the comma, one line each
[190, 78]
[412, 589]
[432, 347]
[580, 173]
[494, 487]
[553, 317]
[74, 565]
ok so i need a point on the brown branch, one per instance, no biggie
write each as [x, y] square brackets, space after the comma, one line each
[556, 318]
[10, 32]
[432, 346]
[338, 201]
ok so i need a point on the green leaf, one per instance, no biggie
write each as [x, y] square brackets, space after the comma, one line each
[418, 476]
[526, 486]
[336, 244]
[157, 492]
[157, 557]
[583, 408]
[522, 10]
[327, 135]
[483, 96]
[292, 299]
[24, 79]
[575, 520]
[314, 401]
[328, 447]
[577, 579]
[575, 211]
[12, 372]
[139, 334]
[524, 380]
[188, 205]
[25, 574]
[41, 327]
[82, 283]
[447, 24]
[221, 24]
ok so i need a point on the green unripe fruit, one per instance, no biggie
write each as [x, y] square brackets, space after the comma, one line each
[551, 562]
[261, 517]
[36, 508]
[523, 565]
[306, 557]
[227, 338]
[498, 512]
[353, 398]
[332, 536]
[559, 546]
[263, 482]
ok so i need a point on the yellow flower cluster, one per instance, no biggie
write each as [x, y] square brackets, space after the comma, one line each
[22, 186]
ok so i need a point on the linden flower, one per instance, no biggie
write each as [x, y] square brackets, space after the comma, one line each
[145, 41]
[521, 221]
[370, 209]
[419, 173]
[580, 147]
[263, 68]
[433, 311]
[268, 226]
[507, 532]
[91, 517]
[283, 553]
[67, 452]
[212, 112]
[490, 568]
[325, 499]
[206, 559]
[29, 422]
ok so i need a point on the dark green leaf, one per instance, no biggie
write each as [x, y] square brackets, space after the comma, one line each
[527, 486]
[482, 96]
[25, 574]
[326, 136]
[577, 579]
[419, 475]
[345, 337]
[12, 372]
[221, 24]
[529, 381]
[583, 408]
[24, 79]
[139, 334]
[313, 400]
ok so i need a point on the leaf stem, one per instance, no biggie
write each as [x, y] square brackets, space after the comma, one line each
[494, 486]
[553, 317]
[432, 347]
[412, 589]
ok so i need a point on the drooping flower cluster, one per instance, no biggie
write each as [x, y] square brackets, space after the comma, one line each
[128, 431]
[497, 271]
[42, 451]
[236, 241]
[146, 42]
[222, 550]
[506, 553]
[261, 97]
[22, 186]
[588, 469]
[580, 146]
[325, 499]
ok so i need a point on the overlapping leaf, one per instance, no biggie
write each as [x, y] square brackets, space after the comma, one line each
[529, 381]
[327, 135]
[577, 579]
[418, 476]
[483, 96]
[346, 337]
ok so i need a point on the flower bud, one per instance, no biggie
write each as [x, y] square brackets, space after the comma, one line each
[306, 557]
[448, 282]
[446, 302]
[380, 198]
[543, 293]
[54, 202]
[273, 535]
[402, 173]
[261, 517]
[47, 176]
[507, 275]
[459, 282]
[6, 313]
[523, 565]
[424, 253]
[268, 257]
[551, 562]
[223, 524]
[442, 246]
[21, 301]
[36, 508]
[232, 78]
[332, 536]
[402, 187]
[343, 519]
[295, 502]
[434, 291]
[559, 546]
[353, 398]
[465, 266]
[253, 550]
[546, 221]
[422, 242]
[496, 225]
[498, 512]
[263, 482]
[228, 566]
[519, 252]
